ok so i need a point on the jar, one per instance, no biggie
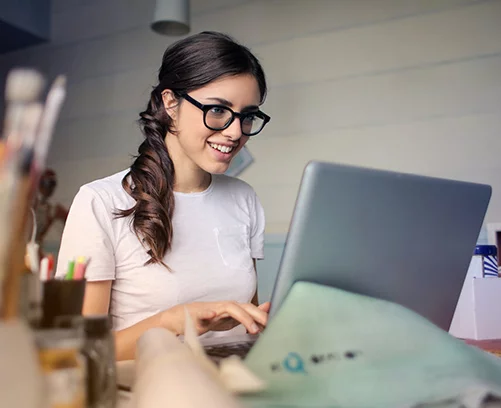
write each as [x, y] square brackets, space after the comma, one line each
[99, 350]
[63, 367]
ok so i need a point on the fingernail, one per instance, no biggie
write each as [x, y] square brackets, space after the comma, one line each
[254, 328]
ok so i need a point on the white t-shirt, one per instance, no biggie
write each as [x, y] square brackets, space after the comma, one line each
[217, 233]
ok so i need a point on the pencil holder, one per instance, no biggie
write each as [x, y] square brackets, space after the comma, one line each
[61, 298]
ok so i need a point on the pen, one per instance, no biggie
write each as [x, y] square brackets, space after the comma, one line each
[80, 268]
[70, 271]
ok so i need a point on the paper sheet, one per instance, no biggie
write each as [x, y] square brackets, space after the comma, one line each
[331, 348]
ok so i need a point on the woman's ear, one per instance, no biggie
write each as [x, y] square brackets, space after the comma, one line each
[170, 103]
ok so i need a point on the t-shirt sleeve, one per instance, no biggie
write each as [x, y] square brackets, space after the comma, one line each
[257, 228]
[88, 232]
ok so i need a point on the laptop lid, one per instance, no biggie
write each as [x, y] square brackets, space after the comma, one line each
[400, 237]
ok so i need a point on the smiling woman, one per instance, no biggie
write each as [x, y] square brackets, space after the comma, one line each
[173, 231]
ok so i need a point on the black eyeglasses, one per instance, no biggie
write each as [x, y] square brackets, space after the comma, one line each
[219, 117]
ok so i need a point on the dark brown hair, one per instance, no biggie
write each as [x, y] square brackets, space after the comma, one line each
[187, 65]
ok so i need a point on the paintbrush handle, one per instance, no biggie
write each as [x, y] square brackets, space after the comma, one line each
[15, 265]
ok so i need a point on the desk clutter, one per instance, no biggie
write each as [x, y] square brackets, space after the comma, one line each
[475, 316]
[26, 136]
[51, 356]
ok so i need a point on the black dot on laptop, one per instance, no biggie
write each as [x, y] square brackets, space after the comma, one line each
[275, 367]
[315, 359]
[350, 354]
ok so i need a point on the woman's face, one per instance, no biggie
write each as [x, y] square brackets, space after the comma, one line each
[193, 143]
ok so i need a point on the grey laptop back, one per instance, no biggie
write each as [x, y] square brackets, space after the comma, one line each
[400, 237]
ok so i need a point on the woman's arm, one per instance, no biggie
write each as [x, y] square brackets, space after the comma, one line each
[255, 300]
[206, 315]
[97, 302]
[125, 340]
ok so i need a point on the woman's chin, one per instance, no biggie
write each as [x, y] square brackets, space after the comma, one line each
[216, 168]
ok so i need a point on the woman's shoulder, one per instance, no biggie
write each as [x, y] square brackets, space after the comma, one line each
[109, 189]
[232, 184]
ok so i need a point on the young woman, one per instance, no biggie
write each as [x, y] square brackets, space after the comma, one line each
[172, 232]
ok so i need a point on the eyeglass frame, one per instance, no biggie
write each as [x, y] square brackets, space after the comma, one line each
[206, 108]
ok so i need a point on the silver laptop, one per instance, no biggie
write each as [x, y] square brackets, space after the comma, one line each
[399, 237]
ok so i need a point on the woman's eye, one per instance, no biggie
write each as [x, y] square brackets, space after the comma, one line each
[251, 117]
[216, 110]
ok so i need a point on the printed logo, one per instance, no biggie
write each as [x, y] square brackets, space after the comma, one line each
[294, 363]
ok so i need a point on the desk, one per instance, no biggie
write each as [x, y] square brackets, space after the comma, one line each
[492, 346]
[125, 370]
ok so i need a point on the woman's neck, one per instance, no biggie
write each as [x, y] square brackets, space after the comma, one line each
[191, 183]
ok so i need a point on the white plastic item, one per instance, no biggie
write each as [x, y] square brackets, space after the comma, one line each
[21, 383]
[476, 316]
[168, 374]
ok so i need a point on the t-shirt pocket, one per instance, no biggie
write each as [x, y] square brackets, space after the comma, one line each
[234, 246]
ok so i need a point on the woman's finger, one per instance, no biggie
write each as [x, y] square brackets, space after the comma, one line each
[240, 314]
[259, 315]
[265, 307]
[206, 314]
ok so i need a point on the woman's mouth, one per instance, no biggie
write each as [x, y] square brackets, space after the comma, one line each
[221, 148]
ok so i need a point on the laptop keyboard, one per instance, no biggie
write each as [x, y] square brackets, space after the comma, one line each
[218, 352]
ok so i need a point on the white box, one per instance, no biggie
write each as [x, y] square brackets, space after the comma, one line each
[477, 312]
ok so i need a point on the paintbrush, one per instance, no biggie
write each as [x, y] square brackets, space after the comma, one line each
[22, 87]
[53, 104]
[14, 262]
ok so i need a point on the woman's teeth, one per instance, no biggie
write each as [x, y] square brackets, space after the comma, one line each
[221, 148]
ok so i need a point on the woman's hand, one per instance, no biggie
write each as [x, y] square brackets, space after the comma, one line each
[217, 316]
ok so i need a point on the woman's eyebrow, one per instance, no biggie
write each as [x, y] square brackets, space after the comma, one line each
[222, 101]
[225, 102]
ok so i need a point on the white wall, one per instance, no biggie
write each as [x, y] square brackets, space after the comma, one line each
[411, 85]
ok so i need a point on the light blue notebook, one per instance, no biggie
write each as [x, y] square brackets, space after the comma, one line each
[330, 348]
